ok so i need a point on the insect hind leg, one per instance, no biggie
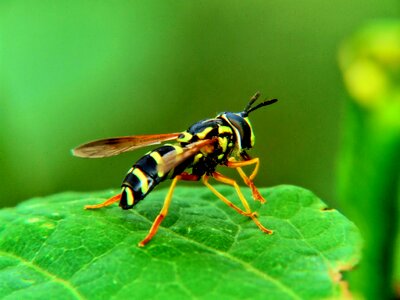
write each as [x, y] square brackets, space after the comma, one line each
[108, 202]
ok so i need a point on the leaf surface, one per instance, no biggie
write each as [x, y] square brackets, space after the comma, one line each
[51, 246]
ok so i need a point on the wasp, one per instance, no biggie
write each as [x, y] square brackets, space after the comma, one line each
[195, 155]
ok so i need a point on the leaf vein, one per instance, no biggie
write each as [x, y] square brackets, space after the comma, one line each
[246, 265]
[51, 276]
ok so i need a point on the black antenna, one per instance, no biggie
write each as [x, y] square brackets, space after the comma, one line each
[265, 103]
[248, 109]
[252, 100]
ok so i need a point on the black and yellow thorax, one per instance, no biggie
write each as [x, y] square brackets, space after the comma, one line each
[217, 153]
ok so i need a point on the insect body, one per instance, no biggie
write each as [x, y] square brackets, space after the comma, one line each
[195, 155]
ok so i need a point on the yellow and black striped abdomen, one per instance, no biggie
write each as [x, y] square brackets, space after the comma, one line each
[143, 177]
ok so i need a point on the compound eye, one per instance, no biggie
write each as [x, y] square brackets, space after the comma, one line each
[243, 129]
[237, 123]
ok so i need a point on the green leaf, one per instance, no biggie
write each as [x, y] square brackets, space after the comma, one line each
[51, 246]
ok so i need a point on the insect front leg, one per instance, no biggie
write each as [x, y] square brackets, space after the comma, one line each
[248, 213]
[108, 202]
[248, 180]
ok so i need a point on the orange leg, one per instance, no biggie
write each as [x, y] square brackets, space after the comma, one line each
[108, 202]
[248, 180]
[225, 200]
[248, 213]
[164, 210]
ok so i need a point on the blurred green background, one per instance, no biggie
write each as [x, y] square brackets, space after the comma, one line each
[74, 71]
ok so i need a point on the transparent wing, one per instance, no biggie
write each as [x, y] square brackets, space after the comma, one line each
[115, 146]
[175, 158]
